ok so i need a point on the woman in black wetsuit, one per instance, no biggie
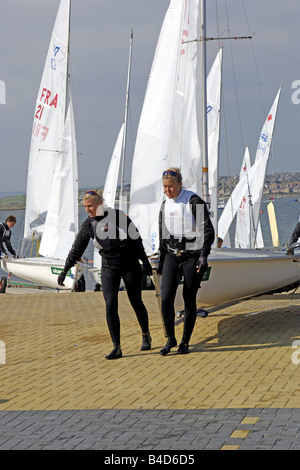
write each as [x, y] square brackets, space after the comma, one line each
[121, 248]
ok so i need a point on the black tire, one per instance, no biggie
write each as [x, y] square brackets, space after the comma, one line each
[3, 284]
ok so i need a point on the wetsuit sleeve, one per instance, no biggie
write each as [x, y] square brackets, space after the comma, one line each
[80, 244]
[2, 249]
[209, 232]
[295, 234]
[9, 247]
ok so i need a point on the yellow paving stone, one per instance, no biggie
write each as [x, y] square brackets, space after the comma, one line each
[56, 343]
[229, 447]
[250, 420]
[240, 434]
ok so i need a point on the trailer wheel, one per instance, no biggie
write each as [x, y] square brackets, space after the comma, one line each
[3, 284]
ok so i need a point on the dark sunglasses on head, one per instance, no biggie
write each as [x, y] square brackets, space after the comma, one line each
[170, 172]
[92, 193]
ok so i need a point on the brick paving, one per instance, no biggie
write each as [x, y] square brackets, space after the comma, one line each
[237, 389]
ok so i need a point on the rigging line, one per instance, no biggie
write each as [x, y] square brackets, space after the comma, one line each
[223, 121]
[75, 107]
[223, 112]
[235, 84]
[255, 63]
[258, 82]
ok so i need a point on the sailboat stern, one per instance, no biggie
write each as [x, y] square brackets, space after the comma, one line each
[43, 271]
[239, 274]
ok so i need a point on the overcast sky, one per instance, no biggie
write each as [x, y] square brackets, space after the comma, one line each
[100, 32]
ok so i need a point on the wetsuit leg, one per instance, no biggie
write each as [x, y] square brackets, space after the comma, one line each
[168, 292]
[132, 276]
[110, 279]
[190, 288]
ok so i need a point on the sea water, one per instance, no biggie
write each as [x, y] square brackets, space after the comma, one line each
[287, 210]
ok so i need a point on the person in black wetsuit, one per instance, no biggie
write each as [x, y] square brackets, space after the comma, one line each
[5, 235]
[294, 237]
[121, 248]
[186, 235]
[296, 234]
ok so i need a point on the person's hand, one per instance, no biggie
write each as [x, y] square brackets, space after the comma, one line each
[202, 265]
[61, 278]
[147, 269]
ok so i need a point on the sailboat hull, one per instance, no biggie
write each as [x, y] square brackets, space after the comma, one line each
[42, 271]
[237, 274]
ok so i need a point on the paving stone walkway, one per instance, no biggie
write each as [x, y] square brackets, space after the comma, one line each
[238, 389]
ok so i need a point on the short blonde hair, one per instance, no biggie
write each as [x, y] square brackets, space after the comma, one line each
[94, 194]
[173, 172]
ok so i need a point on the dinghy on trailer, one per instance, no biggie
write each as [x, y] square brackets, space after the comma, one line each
[51, 214]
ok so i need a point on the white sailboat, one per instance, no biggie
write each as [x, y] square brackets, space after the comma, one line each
[169, 134]
[51, 214]
[244, 220]
[245, 200]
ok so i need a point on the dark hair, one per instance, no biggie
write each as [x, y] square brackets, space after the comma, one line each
[11, 218]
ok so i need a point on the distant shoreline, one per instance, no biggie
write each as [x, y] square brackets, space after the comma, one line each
[13, 203]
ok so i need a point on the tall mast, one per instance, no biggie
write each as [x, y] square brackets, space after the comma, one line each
[67, 97]
[125, 118]
[204, 101]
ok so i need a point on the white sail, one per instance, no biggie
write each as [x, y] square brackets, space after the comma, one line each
[48, 125]
[244, 218]
[167, 133]
[253, 179]
[261, 159]
[61, 223]
[111, 181]
[213, 133]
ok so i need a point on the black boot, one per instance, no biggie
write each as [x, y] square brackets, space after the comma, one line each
[116, 353]
[171, 343]
[183, 348]
[146, 343]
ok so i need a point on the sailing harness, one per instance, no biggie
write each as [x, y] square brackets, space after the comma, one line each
[110, 232]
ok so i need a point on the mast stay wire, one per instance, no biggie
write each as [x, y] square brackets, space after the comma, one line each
[258, 84]
[235, 83]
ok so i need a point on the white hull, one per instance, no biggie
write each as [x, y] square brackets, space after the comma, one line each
[236, 274]
[43, 271]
